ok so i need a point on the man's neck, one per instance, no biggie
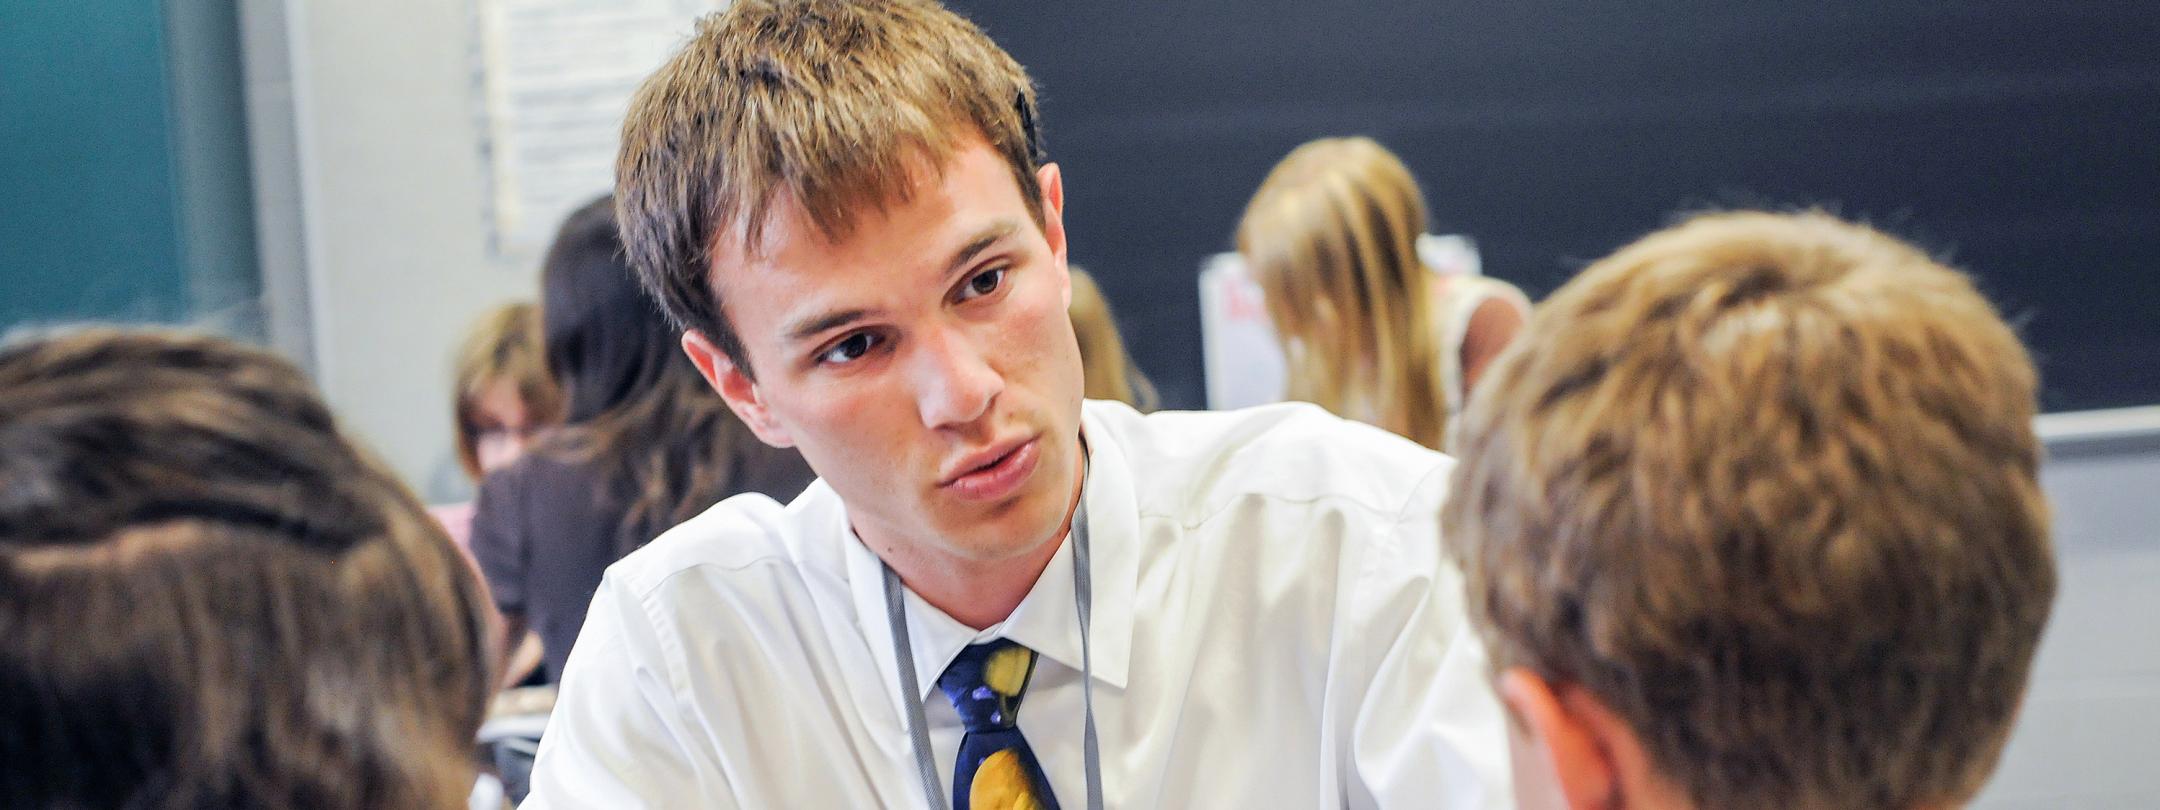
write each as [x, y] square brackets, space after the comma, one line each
[975, 593]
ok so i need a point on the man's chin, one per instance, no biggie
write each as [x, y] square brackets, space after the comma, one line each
[1016, 531]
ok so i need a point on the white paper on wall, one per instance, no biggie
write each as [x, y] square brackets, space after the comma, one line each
[554, 78]
[1239, 354]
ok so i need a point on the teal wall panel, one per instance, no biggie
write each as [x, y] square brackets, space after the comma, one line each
[125, 168]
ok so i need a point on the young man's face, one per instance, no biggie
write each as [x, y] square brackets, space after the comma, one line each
[924, 364]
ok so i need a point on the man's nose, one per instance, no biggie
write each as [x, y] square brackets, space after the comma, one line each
[955, 384]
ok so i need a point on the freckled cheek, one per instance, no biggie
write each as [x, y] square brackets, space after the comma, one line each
[1032, 338]
[1047, 354]
[863, 424]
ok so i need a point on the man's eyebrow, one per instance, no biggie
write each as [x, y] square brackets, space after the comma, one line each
[982, 241]
[812, 326]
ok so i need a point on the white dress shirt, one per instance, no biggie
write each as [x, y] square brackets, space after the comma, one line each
[1273, 625]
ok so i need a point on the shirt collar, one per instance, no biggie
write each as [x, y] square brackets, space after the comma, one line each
[1045, 620]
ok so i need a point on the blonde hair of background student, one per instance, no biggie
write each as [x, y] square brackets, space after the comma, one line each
[1109, 369]
[1753, 520]
[504, 394]
[1365, 324]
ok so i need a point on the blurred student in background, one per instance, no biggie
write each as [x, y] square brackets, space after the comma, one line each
[1757, 524]
[1109, 369]
[505, 396]
[645, 445]
[1367, 329]
[210, 598]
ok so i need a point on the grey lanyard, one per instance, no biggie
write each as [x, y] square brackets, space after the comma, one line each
[911, 692]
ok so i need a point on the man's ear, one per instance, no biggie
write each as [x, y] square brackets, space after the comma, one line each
[735, 387]
[1052, 182]
[1575, 755]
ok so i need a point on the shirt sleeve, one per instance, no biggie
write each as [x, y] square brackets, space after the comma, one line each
[617, 737]
[499, 542]
[1428, 730]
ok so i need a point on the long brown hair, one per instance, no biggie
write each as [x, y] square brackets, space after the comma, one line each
[1331, 237]
[638, 410]
[209, 597]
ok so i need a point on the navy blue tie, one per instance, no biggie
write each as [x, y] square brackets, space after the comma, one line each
[996, 769]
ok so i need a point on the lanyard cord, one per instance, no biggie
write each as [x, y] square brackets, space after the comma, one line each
[1083, 604]
[911, 691]
[918, 727]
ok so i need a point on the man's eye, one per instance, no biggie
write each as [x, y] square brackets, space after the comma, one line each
[984, 283]
[849, 350]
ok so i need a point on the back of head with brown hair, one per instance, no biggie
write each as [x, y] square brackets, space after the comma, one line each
[1331, 238]
[828, 105]
[1764, 485]
[504, 347]
[210, 598]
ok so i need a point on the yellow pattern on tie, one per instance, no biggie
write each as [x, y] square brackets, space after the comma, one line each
[994, 768]
[1000, 784]
[1007, 670]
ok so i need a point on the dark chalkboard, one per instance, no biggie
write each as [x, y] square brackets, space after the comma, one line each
[2020, 140]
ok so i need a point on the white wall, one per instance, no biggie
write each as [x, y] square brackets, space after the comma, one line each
[2090, 734]
[391, 186]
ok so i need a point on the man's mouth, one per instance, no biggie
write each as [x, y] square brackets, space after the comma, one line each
[995, 472]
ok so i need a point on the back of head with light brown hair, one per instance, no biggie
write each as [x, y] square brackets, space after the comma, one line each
[1331, 237]
[504, 347]
[1764, 486]
[825, 105]
[209, 597]
[1108, 369]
